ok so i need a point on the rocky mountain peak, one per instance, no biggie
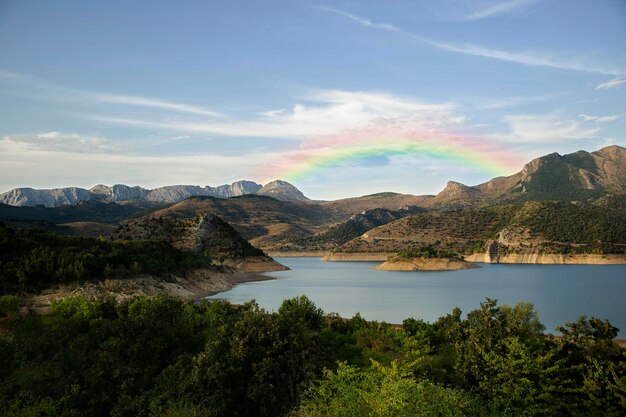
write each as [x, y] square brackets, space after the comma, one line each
[244, 187]
[282, 190]
[454, 189]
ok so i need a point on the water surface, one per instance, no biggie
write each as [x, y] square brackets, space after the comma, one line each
[560, 293]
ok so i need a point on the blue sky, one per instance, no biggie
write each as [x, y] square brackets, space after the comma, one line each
[155, 93]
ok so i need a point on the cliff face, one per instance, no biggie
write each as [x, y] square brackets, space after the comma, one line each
[543, 258]
[50, 198]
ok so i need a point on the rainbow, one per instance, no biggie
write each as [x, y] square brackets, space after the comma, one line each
[353, 146]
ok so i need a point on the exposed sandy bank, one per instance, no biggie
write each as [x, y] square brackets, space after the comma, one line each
[425, 264]
[297, 254]
[257, 264]
[357, 256]
[536, 258]
[190, 286]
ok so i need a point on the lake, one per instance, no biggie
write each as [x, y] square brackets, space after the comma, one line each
[560, 293]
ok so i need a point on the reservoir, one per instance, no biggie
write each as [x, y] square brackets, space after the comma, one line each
[560, 293]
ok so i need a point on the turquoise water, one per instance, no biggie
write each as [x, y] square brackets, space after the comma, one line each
[560, 293]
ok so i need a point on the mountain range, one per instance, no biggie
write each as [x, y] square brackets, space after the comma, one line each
[277, 217]
[57, 197]
[579, 175]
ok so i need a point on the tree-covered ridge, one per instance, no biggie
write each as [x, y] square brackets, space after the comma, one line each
[162, 357]
[31, 259]
[559, 221]
[539, 226]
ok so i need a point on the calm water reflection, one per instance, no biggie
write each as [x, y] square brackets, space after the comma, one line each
[561, 293]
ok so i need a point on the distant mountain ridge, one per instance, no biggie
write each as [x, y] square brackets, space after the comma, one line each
[281, 190]
[577, 176]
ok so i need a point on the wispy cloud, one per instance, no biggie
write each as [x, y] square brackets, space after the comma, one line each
[56, 92]
[154, 103]
[530, 58]
[64, 166]
[602, 119]
[611, 84]
[362, 20]
[57, 141]
[499, 9]
[507, 102]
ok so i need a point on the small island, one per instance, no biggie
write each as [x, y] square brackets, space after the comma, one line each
[425, 259]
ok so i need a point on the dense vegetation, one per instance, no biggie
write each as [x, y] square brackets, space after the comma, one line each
[162, 357]
[603, 221]
[554, 226]
[426, 252]
[92, 211]
[31, 259]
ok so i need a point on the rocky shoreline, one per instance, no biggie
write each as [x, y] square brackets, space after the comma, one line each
[548, 259]
[191, 285]
[512, 258]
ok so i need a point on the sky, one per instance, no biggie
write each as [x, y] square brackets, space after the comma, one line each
[340, 98]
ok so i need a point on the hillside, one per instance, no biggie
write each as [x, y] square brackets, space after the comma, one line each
[358, 224]
[256, 217]
[204, 234]
[546, 227]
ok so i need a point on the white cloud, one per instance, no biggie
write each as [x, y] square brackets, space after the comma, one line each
[325, 112]
[545, 129]
[531, 58]
[499, 8]
[602, 119]
[611, 84]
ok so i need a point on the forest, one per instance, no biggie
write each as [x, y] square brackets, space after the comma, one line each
[163, 357]
[31, 259]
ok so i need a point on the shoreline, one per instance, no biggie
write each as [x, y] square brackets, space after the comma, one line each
[548, 259]
[297, 254]
[481, 258]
